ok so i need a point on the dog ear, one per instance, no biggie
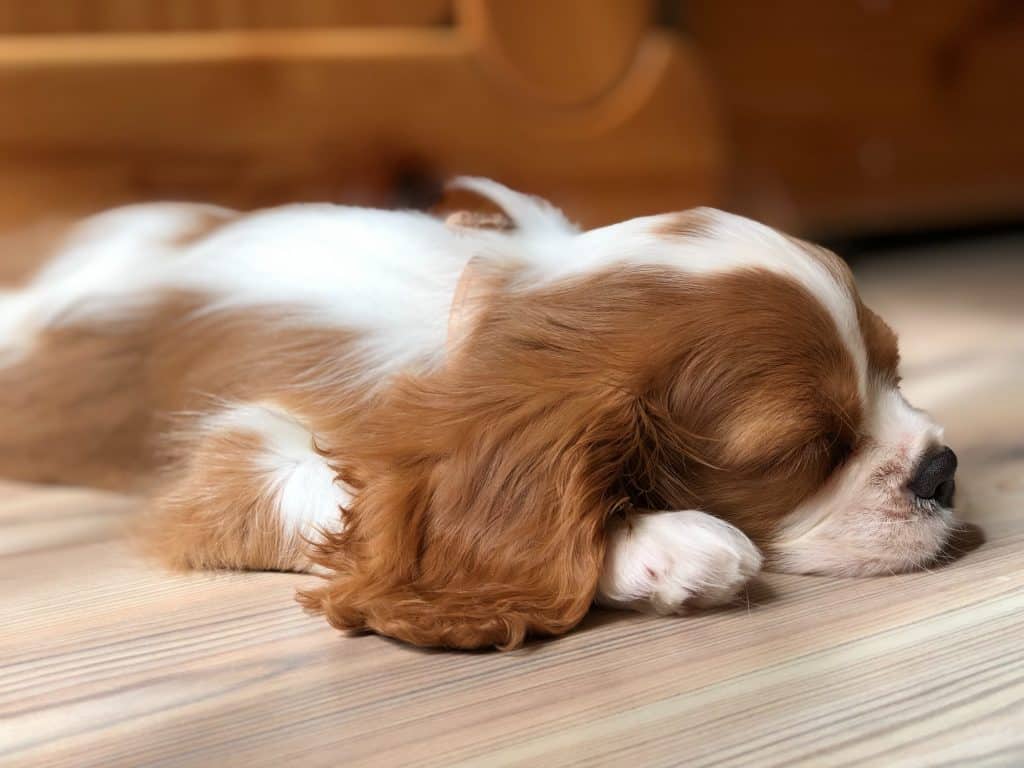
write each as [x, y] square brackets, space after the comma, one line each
[478, 284]
[481, 500]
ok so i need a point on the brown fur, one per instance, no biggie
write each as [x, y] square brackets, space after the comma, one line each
[91, 403]
[77, 409]
[482, 491]
[879, 339]
[219, 512]
[696, 222]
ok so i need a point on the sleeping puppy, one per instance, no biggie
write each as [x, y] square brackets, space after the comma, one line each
[474, 432]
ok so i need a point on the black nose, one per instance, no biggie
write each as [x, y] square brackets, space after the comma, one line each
[933, 478]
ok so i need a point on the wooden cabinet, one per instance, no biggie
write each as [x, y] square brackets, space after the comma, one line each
[833, 117]
[868, 115]
[63, 17]
[585, 101]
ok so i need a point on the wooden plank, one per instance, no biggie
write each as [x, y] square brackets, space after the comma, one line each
[60, 17]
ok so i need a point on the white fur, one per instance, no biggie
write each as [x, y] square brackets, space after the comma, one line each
[112, 262]
[732, 243]
[667, 562]
[389, 274]
[309, 497]
[865, 520]
[896, 425]
[17, 327]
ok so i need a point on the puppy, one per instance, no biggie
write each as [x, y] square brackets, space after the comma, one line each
[474, 432]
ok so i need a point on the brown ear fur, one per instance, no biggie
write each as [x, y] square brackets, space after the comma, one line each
[479, 516]
[482, 490]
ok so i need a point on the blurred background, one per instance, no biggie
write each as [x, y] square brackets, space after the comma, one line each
[840, 120]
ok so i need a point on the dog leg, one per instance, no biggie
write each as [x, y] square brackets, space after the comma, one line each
[250, 493]
[668, 562]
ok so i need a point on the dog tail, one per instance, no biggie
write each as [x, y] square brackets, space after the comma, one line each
[530, 214]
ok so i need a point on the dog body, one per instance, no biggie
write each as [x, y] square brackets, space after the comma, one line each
[473, 432]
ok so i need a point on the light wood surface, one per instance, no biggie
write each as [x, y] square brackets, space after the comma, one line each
[106, 661]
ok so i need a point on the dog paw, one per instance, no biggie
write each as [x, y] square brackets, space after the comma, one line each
[670, 562]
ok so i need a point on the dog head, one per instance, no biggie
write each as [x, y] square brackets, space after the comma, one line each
[763, 390]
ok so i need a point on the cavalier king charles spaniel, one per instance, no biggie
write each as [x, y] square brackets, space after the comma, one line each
[475, 428]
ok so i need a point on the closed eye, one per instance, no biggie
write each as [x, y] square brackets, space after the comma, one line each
[840, 451]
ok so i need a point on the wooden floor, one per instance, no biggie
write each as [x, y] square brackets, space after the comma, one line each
[105, 661]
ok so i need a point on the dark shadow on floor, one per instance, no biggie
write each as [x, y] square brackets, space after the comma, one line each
[966, 538]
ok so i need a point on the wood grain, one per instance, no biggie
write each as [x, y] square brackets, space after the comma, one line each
[575, 54]
[49, 17]
[257, 117]
[107, 661]
[877, 115]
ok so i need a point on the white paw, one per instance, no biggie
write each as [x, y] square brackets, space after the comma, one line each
[667, 562]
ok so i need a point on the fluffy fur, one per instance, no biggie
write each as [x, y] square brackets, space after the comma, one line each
[476, 428]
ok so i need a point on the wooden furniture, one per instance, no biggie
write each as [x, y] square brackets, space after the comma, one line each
[841, 117]
[252, 103]
[868, 115]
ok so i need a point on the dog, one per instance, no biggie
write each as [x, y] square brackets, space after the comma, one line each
[473, 433]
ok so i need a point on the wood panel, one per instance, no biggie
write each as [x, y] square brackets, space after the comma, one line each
[107, 661]
[263, 117]
[49, 17]
[568, 52]
[878, 115]
[819, 117]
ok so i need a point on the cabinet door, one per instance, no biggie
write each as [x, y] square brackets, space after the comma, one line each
[589, 103]
[869, 115]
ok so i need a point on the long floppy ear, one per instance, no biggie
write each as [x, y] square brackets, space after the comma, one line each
[482, 494]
